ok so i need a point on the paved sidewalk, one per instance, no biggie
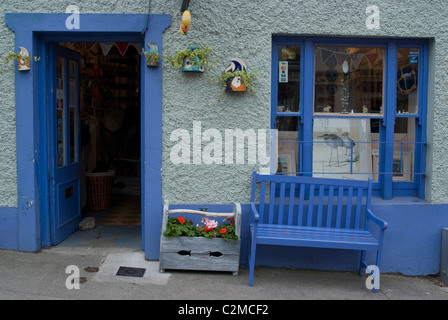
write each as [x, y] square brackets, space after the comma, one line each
[35, 276]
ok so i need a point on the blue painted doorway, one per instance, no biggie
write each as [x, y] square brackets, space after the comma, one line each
[63, 142]
[33, 218]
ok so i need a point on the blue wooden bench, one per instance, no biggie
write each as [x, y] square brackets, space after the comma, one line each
[313, 212]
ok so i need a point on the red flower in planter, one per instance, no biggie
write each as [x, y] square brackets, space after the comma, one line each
[181, 220]
[223, 230]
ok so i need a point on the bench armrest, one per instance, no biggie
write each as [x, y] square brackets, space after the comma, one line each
[381, 223]
[254, 212]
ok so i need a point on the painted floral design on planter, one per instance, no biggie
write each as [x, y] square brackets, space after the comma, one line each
[192, 65]
[236, 84]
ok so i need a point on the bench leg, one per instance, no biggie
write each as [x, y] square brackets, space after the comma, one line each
[252, 261]
[378, 263]
[362, 264]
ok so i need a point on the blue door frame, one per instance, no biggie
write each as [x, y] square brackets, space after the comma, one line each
[31, 117]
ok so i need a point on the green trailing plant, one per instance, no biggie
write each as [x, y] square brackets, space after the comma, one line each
[246, 78]
[180, 227]
[15, 56]
[197, 56]
[152, 58]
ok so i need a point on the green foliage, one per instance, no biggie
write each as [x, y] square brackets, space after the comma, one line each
[200, 54]
[180, 227]
[246, 78]
[14, 56]
[152, 57]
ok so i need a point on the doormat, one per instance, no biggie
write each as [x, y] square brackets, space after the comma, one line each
[127, 213]
[131, 272]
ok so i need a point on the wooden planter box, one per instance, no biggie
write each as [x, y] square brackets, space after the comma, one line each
[200, 253]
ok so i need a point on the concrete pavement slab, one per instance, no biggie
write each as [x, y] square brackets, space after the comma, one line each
[42, 275]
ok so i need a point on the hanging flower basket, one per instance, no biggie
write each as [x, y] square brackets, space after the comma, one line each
[206, 246]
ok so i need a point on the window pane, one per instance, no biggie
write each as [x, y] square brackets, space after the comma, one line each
[287, 146]
[288, 79]
[404, 149]
[60, 110]
[407, 80]
[343, 147]
[349, 79]
[375, 146]
[73, 101]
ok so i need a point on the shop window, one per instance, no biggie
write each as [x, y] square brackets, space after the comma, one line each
[351, 109]
[349, 80]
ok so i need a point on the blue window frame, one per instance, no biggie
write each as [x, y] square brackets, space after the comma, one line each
[371, 92]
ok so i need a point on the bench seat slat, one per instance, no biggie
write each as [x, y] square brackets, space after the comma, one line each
[316, 237]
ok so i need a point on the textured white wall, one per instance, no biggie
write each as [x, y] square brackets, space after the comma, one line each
[242, 29]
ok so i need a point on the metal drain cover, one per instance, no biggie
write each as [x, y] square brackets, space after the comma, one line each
[131, 272]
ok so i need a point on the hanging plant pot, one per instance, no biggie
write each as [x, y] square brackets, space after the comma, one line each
[191, 59]
[236, 78]
[152, 60]
[152, 56]
[192, 64]
[235, 85]
[24, 60]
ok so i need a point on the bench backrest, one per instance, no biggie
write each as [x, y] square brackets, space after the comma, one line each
[335, 203]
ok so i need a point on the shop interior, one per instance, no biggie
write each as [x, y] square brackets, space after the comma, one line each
[110, 135]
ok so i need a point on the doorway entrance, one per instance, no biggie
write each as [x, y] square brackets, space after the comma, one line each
[95, 139]
[32, 224]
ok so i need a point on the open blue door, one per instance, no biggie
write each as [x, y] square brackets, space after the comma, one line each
[64, 142]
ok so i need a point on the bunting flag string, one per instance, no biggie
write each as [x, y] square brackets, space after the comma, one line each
[90, 45]
[332, 58]
[371, 58]
[106, 46]
[356, 59]
[121, 46]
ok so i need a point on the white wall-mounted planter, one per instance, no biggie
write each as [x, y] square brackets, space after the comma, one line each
[24, 64]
